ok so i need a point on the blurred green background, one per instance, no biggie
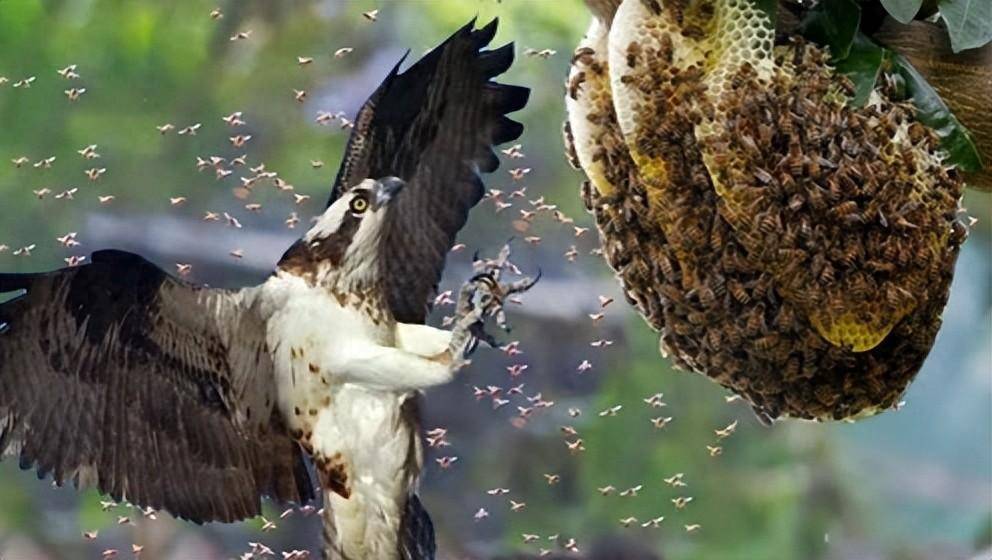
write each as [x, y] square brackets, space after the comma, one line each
[912, 484]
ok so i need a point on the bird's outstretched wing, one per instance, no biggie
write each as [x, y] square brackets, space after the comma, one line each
[156, 391]
[434, 126]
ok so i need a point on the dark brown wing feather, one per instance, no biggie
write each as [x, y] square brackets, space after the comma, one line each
[433, 126]
[155, 391]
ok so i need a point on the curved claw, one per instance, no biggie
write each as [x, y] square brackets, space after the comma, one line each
[485, 293]
[522, 285]
[479, 334]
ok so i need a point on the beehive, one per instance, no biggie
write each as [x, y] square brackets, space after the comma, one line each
[793, 248]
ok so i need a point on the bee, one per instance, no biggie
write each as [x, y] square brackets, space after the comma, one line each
[766, 342]
[756, 321]
[763, 176]
[666, 50]
[695, 235]
[714, 338]
[734, 336]
[583, 55]
[706, 296]
[860, 287]
[791, 370]
[634, 50]
[74, 93]
[844, 209]
[786, 317]
[738, 292]
[749, 144]
[666, 266]
[682, 328]
[239, 141]
[826, 276]
[717, 239]
[769, 222]
[761, 287]
[790, 236]
[738, 80]
[850, 255]
[794, 160]
[575, 83]
[718, 284]
[898, 297]
[671, 293]
[697, 318]
[880, 266]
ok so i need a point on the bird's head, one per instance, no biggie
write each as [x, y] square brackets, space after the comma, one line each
[345, 239]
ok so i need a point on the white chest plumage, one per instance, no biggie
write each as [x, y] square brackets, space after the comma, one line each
[364, 447]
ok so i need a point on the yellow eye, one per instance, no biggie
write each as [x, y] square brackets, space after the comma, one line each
[359, 205]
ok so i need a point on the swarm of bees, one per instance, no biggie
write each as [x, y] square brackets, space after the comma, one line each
[790, 246]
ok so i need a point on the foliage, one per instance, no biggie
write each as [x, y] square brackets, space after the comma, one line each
[969, 22]
[903, 10]
[835, 23]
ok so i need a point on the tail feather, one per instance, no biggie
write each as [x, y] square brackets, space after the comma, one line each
[417, 532]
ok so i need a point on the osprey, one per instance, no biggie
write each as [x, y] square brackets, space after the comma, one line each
[199, 401]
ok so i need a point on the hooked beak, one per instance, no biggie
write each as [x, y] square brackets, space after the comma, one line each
[388, 188]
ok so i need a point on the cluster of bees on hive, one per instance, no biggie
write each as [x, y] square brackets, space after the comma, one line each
[789, 245]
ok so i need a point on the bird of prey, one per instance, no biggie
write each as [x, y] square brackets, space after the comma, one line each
[199, 401]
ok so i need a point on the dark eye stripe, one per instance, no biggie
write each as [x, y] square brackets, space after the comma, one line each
[331, 248]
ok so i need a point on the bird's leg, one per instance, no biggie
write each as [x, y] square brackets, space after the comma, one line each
[481, 297]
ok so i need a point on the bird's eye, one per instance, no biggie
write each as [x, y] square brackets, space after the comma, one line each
[359, 204]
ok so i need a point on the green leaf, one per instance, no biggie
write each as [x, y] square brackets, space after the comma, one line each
[954, 137]
[969, 22]
[863, 65]
[833, 23]
[866, 61]
[903, 10]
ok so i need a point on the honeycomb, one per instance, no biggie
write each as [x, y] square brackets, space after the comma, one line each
[793, 248]
[589, 104]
